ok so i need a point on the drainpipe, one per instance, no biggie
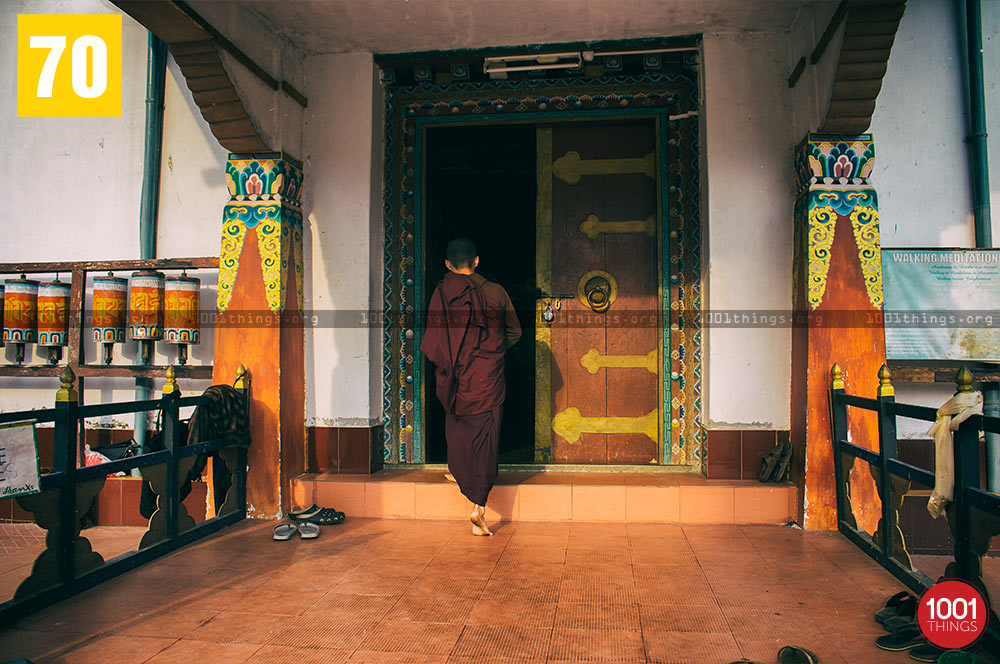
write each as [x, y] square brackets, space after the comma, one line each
[156, 74]
[979, 175]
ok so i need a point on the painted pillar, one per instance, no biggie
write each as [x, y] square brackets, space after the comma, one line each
[837, 295]
[259, 318]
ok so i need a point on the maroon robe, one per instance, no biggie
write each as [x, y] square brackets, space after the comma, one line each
[470, 324]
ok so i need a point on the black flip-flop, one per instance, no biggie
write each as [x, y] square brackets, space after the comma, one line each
[893, 606]
[897, 623]
[323, 516]
[903, 638]
[906, 613]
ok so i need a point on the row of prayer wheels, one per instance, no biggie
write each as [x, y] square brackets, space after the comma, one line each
[148, 306]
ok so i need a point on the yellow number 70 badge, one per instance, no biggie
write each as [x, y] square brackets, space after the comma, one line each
[69, 65]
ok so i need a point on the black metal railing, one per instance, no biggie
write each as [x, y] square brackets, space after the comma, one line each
[68, 565]
[973, 516]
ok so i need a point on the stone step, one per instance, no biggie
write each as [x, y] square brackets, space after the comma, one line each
[664, 497]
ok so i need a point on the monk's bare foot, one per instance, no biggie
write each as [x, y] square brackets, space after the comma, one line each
[450, 477]
[478, 518]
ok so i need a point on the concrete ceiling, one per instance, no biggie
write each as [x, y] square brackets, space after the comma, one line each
[397, 26]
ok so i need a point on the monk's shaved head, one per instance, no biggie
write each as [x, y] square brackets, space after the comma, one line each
[461, 253]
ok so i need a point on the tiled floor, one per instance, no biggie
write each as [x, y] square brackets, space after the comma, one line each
[373, 590]
[21, 543]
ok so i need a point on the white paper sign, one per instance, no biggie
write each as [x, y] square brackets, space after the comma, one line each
[18, 460]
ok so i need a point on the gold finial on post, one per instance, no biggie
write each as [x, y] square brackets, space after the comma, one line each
[66, 391]
[964, 379]
[836, 377]
[885, 388]
[171, 385]
[241, 373]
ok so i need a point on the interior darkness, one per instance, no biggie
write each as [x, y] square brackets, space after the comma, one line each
[480, 184]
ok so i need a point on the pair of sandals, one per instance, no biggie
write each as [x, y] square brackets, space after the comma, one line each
[285, 531]
[775, 464]
[790, 655]
[306, 522]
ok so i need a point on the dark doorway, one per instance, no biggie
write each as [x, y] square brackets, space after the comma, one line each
[481, 184]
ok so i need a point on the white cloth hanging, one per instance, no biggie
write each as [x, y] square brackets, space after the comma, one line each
[956, 410]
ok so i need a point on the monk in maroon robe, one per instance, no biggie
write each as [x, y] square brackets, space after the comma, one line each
[470, 324]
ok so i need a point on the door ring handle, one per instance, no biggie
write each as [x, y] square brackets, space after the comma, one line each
[597, 290]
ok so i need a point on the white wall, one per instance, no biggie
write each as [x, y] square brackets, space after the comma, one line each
[192, 177]
[749, 139]
[72, 184]
[921, 169]
[343, 237]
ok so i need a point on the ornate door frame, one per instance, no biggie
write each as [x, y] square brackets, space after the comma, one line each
[671, 100]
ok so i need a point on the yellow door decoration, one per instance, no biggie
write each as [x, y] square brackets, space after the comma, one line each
[593, 361]
[570, 424]
[569, 168]
[593, 226]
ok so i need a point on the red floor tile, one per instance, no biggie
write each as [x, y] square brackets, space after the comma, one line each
[573, 615]
[514, 613]
[687, 647]
[198, 652]
[522, 644]
[597, 645]
[413, 637]
[294, 655]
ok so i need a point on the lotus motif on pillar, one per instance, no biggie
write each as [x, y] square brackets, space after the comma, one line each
[253, 184]
[842, 167]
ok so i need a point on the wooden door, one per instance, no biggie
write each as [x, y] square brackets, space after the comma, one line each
[598, 361]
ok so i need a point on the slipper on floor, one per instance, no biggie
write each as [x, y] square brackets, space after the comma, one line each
[284, 531]
[897, 622]
[906, 606]
[308, 530]
[796, 655]
[891, 606]
[903, 638]
[323, 516]
[296, 514]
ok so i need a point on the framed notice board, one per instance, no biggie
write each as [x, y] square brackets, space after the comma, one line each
[942, 304]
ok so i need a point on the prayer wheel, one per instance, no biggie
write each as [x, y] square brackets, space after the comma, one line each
[20, 314]
[145, 310]
[108, 318]
[181, 317]
[53, 322]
